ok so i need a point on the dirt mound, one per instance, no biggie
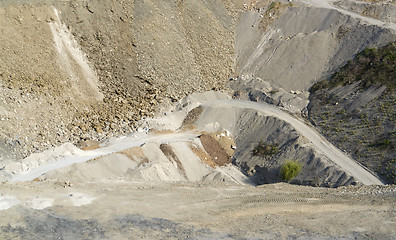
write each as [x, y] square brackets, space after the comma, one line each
[148, 157]
[215, 150]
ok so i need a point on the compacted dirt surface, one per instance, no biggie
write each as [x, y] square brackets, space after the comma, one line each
[118, 209]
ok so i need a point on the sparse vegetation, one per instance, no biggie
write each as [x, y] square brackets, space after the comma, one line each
[366, 131]
[264, 149]
[371, 66]
[382, 143]
[273, 12]
[290, 169]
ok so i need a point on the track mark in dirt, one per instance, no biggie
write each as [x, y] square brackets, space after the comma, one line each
[215, 151]
[279, 200]
[171, 155]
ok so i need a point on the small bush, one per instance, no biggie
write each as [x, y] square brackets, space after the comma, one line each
[382, 143]
[290, 169]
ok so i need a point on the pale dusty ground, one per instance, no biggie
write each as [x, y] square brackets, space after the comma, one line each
[118, 209]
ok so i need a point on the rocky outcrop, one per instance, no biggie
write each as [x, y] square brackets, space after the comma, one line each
[356, 110]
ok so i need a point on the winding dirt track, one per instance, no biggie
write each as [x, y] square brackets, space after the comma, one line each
[329, 4]
[322, 145]
[118, 145]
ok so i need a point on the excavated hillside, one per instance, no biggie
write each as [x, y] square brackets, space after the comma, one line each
[355, 109]
[184, 119]
[87, 70]
[293, 46]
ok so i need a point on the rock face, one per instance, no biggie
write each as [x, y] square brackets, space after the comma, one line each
[317, 169]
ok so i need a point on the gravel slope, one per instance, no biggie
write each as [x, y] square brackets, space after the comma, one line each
[335, 155]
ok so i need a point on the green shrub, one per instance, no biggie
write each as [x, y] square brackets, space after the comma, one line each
[290, 169]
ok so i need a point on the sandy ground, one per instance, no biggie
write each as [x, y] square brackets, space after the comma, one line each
[119, 209]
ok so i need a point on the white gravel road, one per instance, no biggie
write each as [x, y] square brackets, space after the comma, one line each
[322, 145]
[329, 4]
[325, 147]
[115, 146]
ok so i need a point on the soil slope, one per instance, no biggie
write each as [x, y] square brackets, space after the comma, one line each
[293, 46]
[75, 70]
[356, 108]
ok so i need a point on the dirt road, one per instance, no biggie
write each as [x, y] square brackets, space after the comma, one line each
[324, 146]
[117, 145]
[329, 4]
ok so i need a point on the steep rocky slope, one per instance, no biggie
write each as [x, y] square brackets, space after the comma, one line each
[301, 44]
[251, 127]
[76, 70]
[356, 109]
[384, 10]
